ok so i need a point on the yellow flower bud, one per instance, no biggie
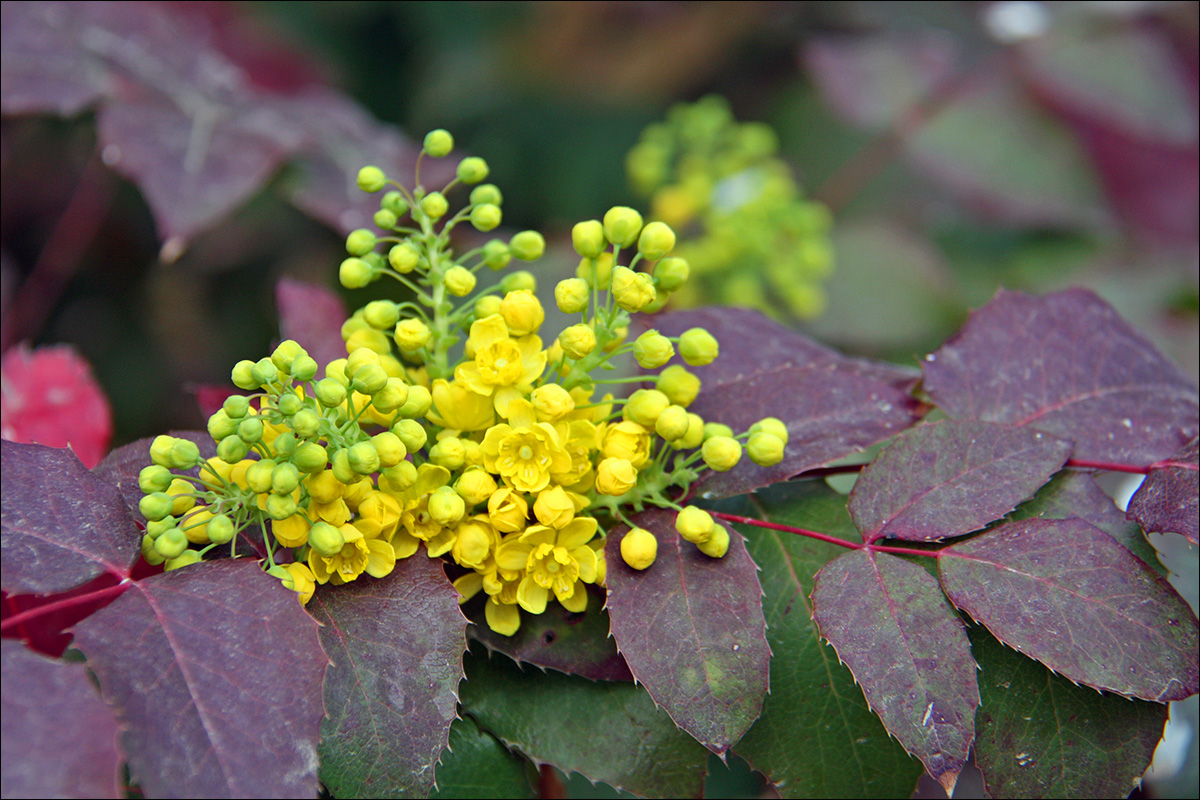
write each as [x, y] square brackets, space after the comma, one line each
[622, 225]
[672, 423]
[363, 458]
[438, 143]
[412, 334]
[551, 402]
[652, 349]
[472, 542]
[354, 273]
[522, 312]
[679, 385]
[486, 306]
[577, 341]
[371, 179]
[475, 486]
[639, 548]
[771, 425]
[633, 291]
[765, 449]
[615, 476]
[507, 510]
[435, 205]
[671, 273]
[627, 440]
[411, 432]
[588, 238]
[446, 507]
[694, 436]
[390, 449]
[448, 453]
[325, 539]
[418, 403]
[399, 477]
[694, 524]
[459, 281]
[572, 295]
[527, 246]
[644, 406]
[554, 507]
[698, 347]
[718, 544]
[721, 453]
[656, 241]
[404, 257]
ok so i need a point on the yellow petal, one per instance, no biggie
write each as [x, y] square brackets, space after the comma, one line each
[577, 601]
[503, 618]
[532, 597]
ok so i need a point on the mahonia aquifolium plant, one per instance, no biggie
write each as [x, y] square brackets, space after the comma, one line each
[746, 230]
[502, 459]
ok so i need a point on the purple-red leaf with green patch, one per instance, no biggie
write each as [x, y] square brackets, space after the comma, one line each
[1167, 499]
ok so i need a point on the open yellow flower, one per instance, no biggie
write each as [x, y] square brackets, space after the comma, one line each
[458, 408]
[358, 555]
[557, 561]
[525, 457]
[501, 363]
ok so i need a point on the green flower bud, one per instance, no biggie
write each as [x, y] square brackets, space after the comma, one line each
[596, 271]
[679, 385]
[639, 548]
[698, 347]
[220, 425]
[285, 478]
[412, 334]
[250, 430]
[652, 349]
[588, 238]
[712, 429]
[475, 486]
[721, 453]
[369, 379]
[285, 444]
[371, 179]
[330, 392]
[258, 475]
[472, 169]
[694, 436]
[404, 258]
[157, 527]
[390, 449]
[155, 478]
[572, 295]
[149, 553]
[391, 397]
[718, 544]
[156, 505]
[671, 273]
[459, 281]
[306, 423]
[358, 359]
[486, 217]
[242, 375]
[765, 449]
[394, 202]
[771, 425]
[401, 476]
[644, 406]
[160, 450]
[633, 291]
[486, 193]
[236, 406]
[449, 453]
[495, 255]
[289, 404]
[577, 341]
[232, 449]
[171, 544]
[325, 539]
[339, 465]
[354, 273]
[411, 433]
[363, 459]
[438, 143]
[384, 219]
[434, 205]
[360, 242]
[286, 353]
[220, 529]
[381, 314]
[487, 305]
[446, 506]
[310, 457]
[520, 280]
[656, 241]
[527, 245]
[622, 225]
[304, 368]
[417, 405]
[264, 371]
[695, 524]
[672, 423]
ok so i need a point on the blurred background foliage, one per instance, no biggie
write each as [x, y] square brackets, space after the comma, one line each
[959, 147]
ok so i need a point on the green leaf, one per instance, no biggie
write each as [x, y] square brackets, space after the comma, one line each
[607, 731]
[476, 765]
[816, 736]
[396, 645]
[1040, 735]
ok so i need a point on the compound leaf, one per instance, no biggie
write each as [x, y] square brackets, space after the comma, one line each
[1167, 498]
[391, 692]
[477, 765]
[60, 525]
[1067, 365]
[890, 624]
[215, 674]
[608, 731]
[691, 629]
[950, 478]
[1064, 592]
[814, 699]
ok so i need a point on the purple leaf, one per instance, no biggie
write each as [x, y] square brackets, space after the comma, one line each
[874, 80]
[1039, 735]
[1067, 365]
[833, 406]
[578, 644]
[121, 467]
[312, 315]
[950, 478]
[1064, 592]
[392, 691]
[691, 629]
[215, 673]
[60, 739]
[43, 68]
[60, 525]
[890, 624]
[1167, 498]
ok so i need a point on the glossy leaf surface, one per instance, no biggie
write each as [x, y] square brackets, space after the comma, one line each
[607, 731]
[1038, 362]
[950, 478]
[60, 525]
[396, 648]
[1065, 593]
[477, 765]
[691, 629]
[1167, 499]
[890, 624]
[221, 696]
[814, 699]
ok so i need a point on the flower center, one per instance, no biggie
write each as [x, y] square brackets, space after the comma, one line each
[526, 452]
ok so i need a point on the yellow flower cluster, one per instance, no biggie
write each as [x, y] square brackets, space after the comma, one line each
[499, 458]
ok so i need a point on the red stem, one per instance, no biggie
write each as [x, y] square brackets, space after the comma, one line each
[1082, 463]
[18, 619]
[775, 526]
